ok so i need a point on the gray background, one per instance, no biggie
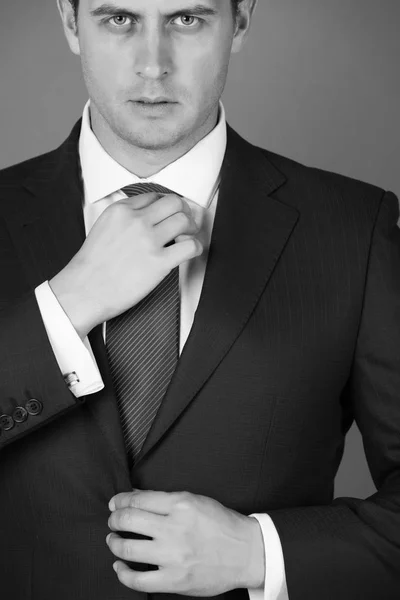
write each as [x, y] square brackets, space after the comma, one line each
[317, 81]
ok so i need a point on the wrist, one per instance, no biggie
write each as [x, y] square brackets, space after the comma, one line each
[254, 571]
[71, 297]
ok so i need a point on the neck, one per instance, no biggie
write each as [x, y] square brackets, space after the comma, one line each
[143, 162]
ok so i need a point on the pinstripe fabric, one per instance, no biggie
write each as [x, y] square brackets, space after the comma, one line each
[143, 350]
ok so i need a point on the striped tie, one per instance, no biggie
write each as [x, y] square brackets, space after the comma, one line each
[143, 350]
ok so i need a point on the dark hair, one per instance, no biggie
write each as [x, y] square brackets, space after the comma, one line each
[235, 5]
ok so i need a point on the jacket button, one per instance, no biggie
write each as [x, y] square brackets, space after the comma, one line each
[34, 407]
[6, 422]
[20, 414]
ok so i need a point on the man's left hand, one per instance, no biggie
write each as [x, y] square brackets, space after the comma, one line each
[201, 547]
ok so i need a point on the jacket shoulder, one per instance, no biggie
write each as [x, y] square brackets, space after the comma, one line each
[14, 175]
[41, 167]
[322, 186]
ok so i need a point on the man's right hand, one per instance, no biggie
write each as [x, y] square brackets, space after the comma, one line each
[124, 257]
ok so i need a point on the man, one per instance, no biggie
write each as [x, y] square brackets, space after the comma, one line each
[189, 327]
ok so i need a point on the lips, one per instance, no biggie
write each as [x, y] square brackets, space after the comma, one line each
[159, 100]
[160, 107]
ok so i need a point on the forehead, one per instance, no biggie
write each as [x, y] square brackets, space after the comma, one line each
[159, 6]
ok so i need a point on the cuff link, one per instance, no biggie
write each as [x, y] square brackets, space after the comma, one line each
[71, 379]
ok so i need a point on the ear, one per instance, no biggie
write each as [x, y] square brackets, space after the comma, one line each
[243, 21]
[70, 24]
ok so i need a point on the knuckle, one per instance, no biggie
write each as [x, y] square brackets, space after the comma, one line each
[184, 500]
[182, 219]
[185, 496]
[140, 200]
[177, 203]
[125, 518]
[142, 216]
[134, 501]
[127, 549]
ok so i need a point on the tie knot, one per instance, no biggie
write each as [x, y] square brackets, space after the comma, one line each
[143, 188]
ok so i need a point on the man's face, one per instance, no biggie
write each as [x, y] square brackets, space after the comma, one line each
[137, 51]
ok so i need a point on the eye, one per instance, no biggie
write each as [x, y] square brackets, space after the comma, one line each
[189, 20]
[120, 20]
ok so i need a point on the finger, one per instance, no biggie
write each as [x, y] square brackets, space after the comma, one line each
[136, 521]
[166, 206]
[150, 582]
[141, 551]
[175, 225]
[141, 200]
[147, 500]
[198, 212]
[183, 250]
[183, 237]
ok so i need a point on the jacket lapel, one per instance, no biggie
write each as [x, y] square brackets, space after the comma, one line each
[48, 232]
[251, 229]
[250, 232]
[50, 228]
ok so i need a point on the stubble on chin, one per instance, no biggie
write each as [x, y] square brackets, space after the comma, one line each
[150, 140]
[151, 136]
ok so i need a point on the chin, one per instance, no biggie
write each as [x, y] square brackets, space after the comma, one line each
[151, 144]
[153, 138]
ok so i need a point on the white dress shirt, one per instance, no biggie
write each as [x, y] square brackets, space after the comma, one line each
[196, 177]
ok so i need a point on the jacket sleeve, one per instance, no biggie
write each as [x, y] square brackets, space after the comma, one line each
[351, 548]
[32, 387]
[73, 355]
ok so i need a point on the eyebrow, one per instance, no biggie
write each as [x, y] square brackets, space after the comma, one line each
[109, 9]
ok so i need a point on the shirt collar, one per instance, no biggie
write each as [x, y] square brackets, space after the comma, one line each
[195, 175]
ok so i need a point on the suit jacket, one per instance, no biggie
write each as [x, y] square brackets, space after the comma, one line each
[297, 333]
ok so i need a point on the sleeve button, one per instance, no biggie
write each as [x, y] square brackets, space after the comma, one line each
[20, 414]
[6, 422]
[34, 407]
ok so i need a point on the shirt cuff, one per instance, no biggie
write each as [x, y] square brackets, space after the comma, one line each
[74, 356]
[275, 587]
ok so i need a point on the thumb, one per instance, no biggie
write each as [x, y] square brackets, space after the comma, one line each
[143, 200]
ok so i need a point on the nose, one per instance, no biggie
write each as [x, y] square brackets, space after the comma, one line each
[152, 55]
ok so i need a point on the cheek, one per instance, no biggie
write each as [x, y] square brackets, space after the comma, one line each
[102, 67]
[202, 75]
[211, 79]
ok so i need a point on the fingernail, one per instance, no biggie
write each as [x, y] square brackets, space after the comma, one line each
[111, 504]
[108, 538]
[115, 567]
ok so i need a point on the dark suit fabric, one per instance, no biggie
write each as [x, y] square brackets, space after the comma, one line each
[297, 333]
